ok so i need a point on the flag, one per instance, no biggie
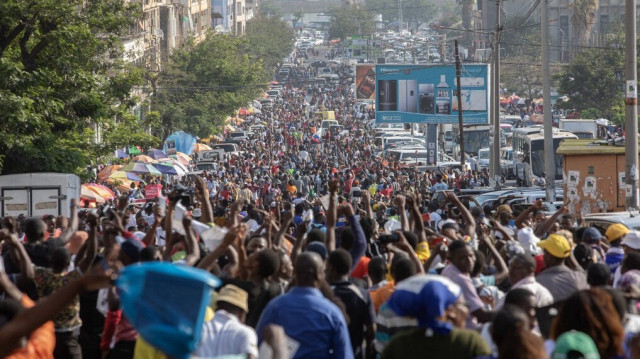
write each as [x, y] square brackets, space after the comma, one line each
[315, 138]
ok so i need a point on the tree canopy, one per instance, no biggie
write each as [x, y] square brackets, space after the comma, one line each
[350, 20]
[61, 77]
[203, 84]
[270, 39]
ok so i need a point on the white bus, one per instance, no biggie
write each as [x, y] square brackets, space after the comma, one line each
[528, 153]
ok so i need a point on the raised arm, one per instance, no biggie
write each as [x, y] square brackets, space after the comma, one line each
[209, 261]
[400, 202]
[332, 215]
[190, 243]
[417, 218]
[366, 203]
[150, 237]
[501, 265]
[286, 221]
[546, 225]
[10, 236]
[65, 237]
[523, 216]
[202, 192]
[470, 222]
[91, 251]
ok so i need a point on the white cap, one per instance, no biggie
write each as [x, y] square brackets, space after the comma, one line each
[632, 240]
[529, 241]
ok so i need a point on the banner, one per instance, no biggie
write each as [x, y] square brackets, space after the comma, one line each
[428, 94]
[152, 191]
[365, 82]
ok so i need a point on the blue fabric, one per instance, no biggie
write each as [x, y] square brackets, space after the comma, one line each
[166, 304]
[613, 260]
[425, 297]
[184, 142]
[311, 320]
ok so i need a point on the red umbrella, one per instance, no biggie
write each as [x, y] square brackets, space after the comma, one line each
[274, 83]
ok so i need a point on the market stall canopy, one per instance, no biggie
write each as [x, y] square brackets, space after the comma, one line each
[182, 158]
[143, 159]
[107, 171]
[89, 195]
[100, 190]
[124, 177]
[157, 154]
[141, 168]
[200, 147]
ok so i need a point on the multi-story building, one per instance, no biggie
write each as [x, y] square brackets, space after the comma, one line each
[231, 16]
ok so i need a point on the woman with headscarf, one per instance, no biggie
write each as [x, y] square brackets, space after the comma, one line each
[437, 304]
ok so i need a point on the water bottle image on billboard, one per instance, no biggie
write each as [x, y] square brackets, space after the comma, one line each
[443, 97]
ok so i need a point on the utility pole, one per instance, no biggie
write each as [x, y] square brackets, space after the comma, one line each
[549, 155]
[443, 48]
[495, 153]
[631, 104]
[399, 15]
[459, 96]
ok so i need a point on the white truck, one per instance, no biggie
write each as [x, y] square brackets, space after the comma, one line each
[38, 194]
[583, 128]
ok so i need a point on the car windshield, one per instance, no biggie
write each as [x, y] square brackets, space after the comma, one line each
[236, 134]
[483, 155]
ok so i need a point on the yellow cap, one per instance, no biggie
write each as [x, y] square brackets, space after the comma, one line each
[557, 245]
[616, 231]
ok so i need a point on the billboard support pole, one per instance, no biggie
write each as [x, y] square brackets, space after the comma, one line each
[494, 168]
[459, 96]
[549, 155]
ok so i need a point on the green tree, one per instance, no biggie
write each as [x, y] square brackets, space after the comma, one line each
[269, 9]
[419, 12]
[270, 39]
[203, 84]
[350, 20]
[61, 77]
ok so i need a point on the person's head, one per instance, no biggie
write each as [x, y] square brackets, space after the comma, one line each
[402, 268]
[286, 266]
[590, 235]
[615, 232]
[631, 242]
[151, 253]
[556, 250]
[233, 300]
[308, 270]
[521, 266]
[511, 332]
[263, 264]
[256, 243]
[592, 312]
[338, 265]
[566, 222]
[598, 275]
[462, 256]
[130, 251]
[369, 227]
[584, 255]
[346, 239]
[34, 229]
[630, 261]
[60, 259]
[525, 300]
[377, 269]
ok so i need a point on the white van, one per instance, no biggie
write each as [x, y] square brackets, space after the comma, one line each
[38, 194]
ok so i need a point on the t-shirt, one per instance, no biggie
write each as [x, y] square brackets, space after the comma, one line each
[360, 308]
[459, 344]
[41, 342]
[48, 282]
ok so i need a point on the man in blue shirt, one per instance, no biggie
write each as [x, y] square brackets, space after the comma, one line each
[308, 318]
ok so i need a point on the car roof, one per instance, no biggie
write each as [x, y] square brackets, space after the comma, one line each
[602, 221]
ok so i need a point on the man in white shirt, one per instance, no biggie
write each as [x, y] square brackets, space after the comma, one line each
[522, 270]
[226, 334]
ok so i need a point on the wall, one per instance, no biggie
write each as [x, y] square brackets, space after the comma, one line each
[607, 196]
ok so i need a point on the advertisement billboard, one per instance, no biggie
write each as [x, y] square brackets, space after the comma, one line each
[428, 94]
[365, 82]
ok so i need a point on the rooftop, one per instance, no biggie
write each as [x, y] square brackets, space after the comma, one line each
[589, 146]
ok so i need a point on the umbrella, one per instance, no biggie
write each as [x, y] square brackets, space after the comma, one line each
[256, 111]
[257, 105]
[124, 176]
[176, 166]
[229, 128]
[274, 83]
[144, 159]
[166, 169]
[141, 168]
[182, 158]
[135, 150]
[200, 147]
[157, 154]
[107, 171]
[121, 154]
[238, 121]
[100, 191]
[89, 195]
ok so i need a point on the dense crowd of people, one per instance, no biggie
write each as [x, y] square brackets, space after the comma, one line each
[328, 249]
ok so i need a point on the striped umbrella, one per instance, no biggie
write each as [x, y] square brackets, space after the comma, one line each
[107, 171]
[141, 168]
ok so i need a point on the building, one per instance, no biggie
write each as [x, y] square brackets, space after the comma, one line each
[231, 16]
[564, 39]
[594, 176]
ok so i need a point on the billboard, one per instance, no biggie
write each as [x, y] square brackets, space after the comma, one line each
[365, 82]
[427, 94]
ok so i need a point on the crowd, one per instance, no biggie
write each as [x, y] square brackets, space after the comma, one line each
[330, 250]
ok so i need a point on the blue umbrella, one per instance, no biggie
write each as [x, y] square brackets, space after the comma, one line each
[167, 170]
[155, 154]
[121, 154]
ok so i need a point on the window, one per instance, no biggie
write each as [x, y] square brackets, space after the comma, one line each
[604, 23]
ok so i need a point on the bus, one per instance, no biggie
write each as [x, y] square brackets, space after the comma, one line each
[528, 153]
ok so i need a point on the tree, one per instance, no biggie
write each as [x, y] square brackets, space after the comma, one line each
[350, 20]
[62, 76]
[270, 39]
[583, 17]
[203, 84]
[418, 12]
[467, 16]
[269, 9]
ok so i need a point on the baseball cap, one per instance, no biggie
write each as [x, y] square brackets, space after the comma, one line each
[132, 247]
[574, 341]
[234, 295]
[591, 235]
[632, 240]
[557, 245]
[615, 231]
